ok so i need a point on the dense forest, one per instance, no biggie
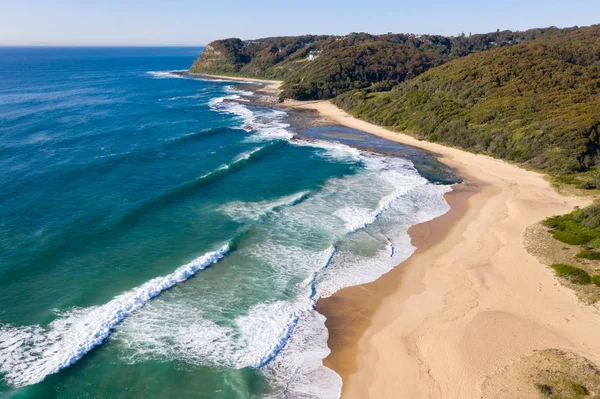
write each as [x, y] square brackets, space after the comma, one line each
[532, 97]
[538, 102]
[322, 67]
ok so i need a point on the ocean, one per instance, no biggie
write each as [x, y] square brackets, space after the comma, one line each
[160, 237]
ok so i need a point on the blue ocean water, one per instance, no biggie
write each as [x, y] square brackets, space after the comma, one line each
[160, 237]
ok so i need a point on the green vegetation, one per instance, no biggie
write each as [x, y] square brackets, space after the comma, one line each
[563, 389]
[588, 254]
[580, 227]
[572, 273]
[579, 389]
[322, 67]
[534, 103]
[585, 181]
[544, 389]
[556, 374]
[530, 97]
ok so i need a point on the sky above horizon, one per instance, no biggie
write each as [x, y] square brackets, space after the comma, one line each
[196, 23]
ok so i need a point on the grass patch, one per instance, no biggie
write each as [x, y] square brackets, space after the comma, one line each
[564, 389]
[579, 390]
[572, 273]
[566, 179]
[580, 227]
[587, 254]
[571, 238]
[596, 280]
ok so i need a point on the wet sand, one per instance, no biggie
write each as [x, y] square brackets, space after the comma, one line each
[470, 302]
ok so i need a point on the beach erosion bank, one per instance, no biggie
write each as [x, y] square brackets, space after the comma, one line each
[469, 302]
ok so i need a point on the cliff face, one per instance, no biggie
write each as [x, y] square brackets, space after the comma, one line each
[221, 56]
[272, 57]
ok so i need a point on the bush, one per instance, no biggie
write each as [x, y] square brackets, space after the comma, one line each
[544, 389]
[596, 280]
[587, 254]
[505, 103]
[580, 227]
[587, 185]
[590, 216]
[596, 181]
[572, 273]
[579, 389]
[571, 238]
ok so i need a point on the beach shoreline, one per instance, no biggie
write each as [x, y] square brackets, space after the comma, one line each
[269, 87]
[355, 306]
[470, 301]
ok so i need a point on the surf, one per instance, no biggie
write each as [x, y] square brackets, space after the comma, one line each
[28, 354]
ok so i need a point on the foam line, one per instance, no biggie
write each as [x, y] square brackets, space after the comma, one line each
[166, 74]
[241, 211]
[301, 310]
[28, 354]
[266, 125]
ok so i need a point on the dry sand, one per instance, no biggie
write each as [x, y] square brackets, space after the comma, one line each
[471, 305]
[470, 302]
[270, 86]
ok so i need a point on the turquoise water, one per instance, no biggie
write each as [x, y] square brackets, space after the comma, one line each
[158, 240]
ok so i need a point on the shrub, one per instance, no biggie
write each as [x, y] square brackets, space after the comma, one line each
[572, 273]
[587, 254]
[580, 227]
[587, 185]
[579, 389]
[505, 103]
[596, 181]
[596, 280]
[590, 216]
[544, 389]
[571, 238]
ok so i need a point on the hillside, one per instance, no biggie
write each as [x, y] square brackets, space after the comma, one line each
[536, 103]
[322, 67]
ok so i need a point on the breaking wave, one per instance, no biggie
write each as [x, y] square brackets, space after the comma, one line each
[28, 354]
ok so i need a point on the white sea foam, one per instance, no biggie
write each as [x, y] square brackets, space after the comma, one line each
[178, 330]
[241, 92]
[403, 198]
[246, 155]
[237, 159]
[365, 216]
[166, 74]
[199, 95]
[267, 125]
[389, 238]
[29, 353]
[242, 211]
[298, 371]
[331, 150]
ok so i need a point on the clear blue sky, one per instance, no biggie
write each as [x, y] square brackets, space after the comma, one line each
[188, 22]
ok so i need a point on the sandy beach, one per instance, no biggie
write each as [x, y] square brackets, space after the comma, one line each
[268, 87]
[469, 302]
